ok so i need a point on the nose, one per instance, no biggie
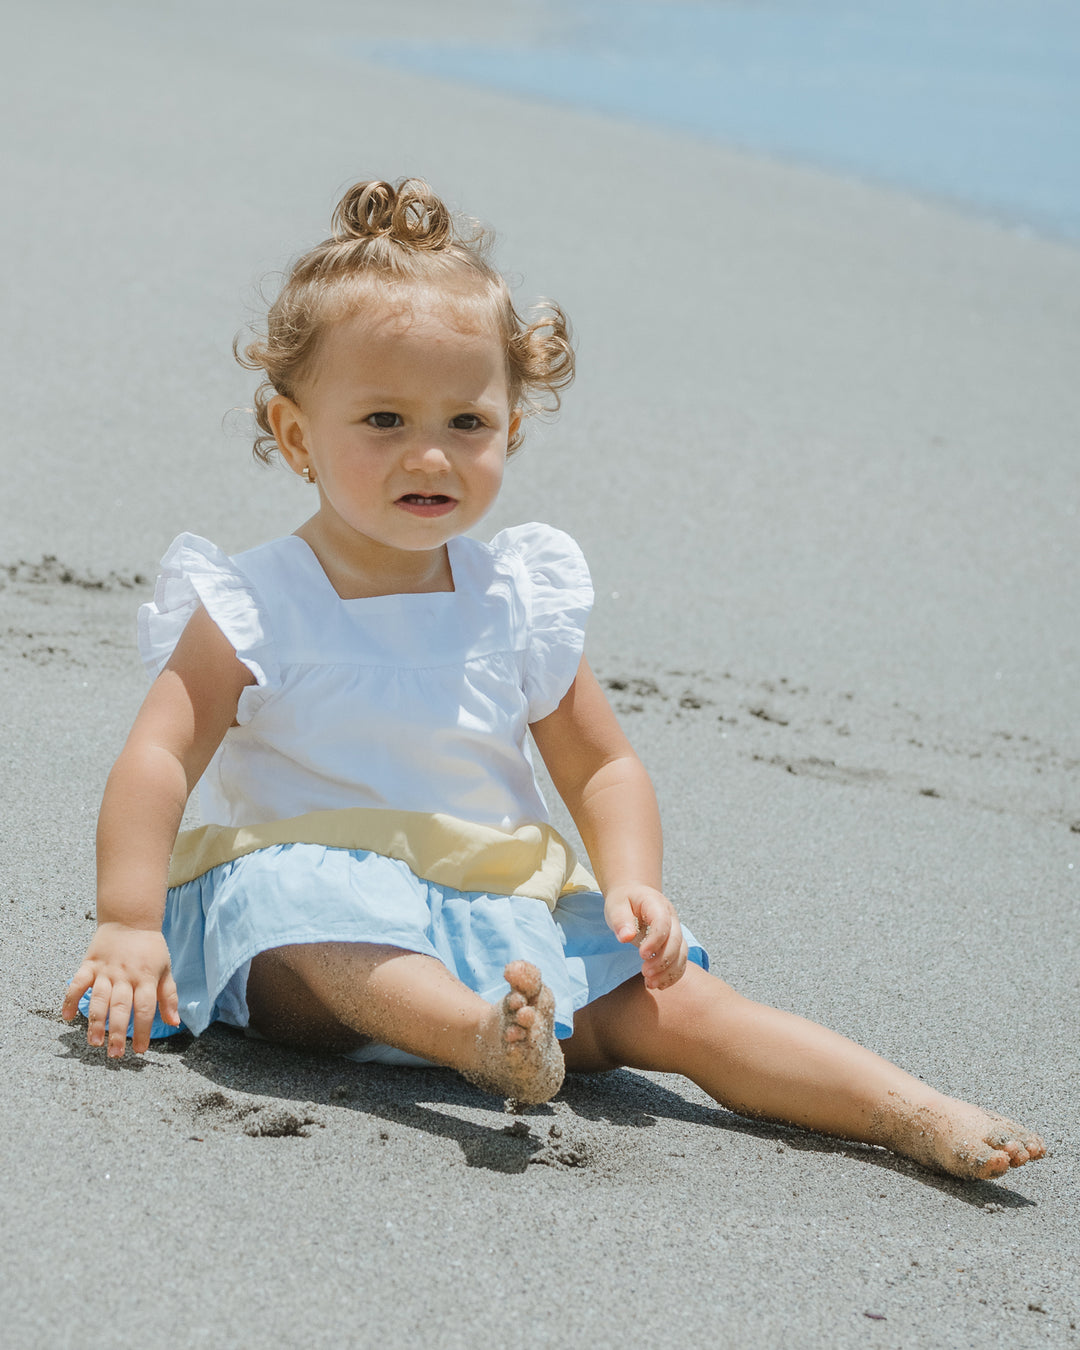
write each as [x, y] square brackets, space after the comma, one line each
[426, 456]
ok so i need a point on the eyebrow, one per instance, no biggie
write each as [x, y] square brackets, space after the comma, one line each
[365, 399]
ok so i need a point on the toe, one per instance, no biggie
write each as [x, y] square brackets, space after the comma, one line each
[996, 1165]
[1034, 1145]
[1019, 1145]
[524, 977]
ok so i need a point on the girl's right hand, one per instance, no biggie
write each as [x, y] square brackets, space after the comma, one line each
[187, 712]
[129, 970]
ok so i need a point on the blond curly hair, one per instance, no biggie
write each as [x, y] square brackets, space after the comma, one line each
[399, 244]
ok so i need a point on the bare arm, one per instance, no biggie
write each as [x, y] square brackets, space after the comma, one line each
[189, 708]
[610, 796]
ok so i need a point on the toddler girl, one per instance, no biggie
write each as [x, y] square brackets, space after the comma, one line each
[355, 702]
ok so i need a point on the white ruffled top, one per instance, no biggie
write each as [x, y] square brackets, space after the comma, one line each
[408, 702]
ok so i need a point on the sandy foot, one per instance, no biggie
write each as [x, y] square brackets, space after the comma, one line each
[518, 1055]
[954, 1137]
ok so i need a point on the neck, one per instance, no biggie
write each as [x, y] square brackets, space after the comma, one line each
[363, 571]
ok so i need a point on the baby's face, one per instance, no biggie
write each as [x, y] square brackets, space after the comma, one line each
[404, 426]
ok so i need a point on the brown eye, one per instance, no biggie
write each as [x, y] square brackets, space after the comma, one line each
[466, 422]
[384, 420]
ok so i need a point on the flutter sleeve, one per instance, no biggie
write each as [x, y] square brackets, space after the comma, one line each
[194, 572]
[558, 595]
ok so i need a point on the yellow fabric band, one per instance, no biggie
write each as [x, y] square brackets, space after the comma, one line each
[533, 860]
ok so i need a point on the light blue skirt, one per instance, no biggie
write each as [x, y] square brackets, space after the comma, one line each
[298, 893]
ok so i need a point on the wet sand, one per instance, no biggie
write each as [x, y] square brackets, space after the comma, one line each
[821, 456]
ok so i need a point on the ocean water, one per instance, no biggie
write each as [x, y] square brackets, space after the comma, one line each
[973, 101]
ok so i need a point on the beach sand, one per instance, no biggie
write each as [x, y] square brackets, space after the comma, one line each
[821, 457]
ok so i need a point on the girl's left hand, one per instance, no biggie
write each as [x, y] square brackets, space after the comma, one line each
[646, 917]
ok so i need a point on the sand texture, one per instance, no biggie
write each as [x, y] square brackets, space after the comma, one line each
[822, 459]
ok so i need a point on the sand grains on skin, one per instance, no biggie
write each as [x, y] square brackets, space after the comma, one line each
[954, 1137]
[518, 1055]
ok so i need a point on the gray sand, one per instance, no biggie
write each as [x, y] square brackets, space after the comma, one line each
[822, 459]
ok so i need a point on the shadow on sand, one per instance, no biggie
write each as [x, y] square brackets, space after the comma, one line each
[295, 1082]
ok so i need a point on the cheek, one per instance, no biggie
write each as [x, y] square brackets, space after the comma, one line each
[496, 468]
[355, 468]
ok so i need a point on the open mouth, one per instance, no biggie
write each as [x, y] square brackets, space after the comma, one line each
[424, 504]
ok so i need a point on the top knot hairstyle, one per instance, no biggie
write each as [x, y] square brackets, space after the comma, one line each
[411, 214]
[401, 245]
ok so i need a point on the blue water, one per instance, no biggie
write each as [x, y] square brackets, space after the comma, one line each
[973, 101]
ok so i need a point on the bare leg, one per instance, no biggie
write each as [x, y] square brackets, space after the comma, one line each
[339, 995]
[769, 1064]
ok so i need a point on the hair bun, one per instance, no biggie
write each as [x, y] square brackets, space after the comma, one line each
[410, 214]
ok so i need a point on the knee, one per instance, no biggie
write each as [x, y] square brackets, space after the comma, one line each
[697, 1000]
[643, 1028]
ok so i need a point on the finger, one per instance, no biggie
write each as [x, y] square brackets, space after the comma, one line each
[143, 1004]
[673, 972]
[667, 961]
[623, 921]
[98, 1010]
[656, 915]
[660, 921]
[168, 1001]
[81, 982]
[655, 944]
[119, 1016]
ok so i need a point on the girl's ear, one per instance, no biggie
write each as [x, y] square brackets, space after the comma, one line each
[287, 424]
[515, 423]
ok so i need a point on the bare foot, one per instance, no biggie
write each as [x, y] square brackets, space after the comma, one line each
[517, 1053]
[952, 1136]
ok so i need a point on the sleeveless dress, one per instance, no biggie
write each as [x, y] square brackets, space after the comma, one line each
[378, 786]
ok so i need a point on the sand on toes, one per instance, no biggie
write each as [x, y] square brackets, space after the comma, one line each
[517, 1053]
[954, 1137]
